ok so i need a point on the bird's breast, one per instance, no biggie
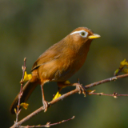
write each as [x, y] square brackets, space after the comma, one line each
[63, 67]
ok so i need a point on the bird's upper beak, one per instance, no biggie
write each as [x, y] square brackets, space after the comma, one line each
[94, 36]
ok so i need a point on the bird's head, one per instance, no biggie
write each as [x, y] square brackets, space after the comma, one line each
[83, 35]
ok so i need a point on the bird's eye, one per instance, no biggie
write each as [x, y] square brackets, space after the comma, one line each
[84, 34]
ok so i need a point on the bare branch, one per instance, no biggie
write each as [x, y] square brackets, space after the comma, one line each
[21, 91]
[73, 92]
[106, 80]
[115, 95]
[48, 124]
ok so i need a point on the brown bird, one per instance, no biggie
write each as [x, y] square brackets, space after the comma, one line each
[58, 63]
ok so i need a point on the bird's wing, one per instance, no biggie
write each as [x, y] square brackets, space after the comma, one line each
[51, 54]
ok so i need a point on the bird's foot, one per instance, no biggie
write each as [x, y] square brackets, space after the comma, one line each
[45, 105]
[80, 88]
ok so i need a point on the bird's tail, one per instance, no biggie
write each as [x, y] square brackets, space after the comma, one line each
[27, 90]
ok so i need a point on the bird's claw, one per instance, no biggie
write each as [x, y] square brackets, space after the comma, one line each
[80, 88]
[45, 105]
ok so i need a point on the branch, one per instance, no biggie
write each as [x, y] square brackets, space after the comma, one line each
[71, 93]
[48, 124]
[106, 80]
[115, 95]
[17, 111]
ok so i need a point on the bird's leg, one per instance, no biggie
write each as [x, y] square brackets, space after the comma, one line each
[80, 88]
[62, 85]
[45, 103]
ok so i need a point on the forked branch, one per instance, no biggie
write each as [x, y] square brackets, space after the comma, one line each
[17, 124]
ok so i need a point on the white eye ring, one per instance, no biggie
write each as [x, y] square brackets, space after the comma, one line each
[82, 33]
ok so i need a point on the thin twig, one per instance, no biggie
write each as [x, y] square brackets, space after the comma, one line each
[21, 91]
[119, 71]
[48, 124]
[106, 80]
[123, 64]
[115, 95]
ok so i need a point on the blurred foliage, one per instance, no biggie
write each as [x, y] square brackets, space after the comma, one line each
[28, 28]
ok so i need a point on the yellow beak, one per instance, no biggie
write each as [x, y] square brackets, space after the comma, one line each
[94, 36]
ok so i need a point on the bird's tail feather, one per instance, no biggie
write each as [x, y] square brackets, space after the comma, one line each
[27, 90]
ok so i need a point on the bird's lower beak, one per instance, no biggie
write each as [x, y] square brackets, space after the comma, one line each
[94, 36]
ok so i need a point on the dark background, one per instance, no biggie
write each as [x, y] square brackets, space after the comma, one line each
[29, 27]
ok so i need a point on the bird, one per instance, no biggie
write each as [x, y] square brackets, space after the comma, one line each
[58, 63]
